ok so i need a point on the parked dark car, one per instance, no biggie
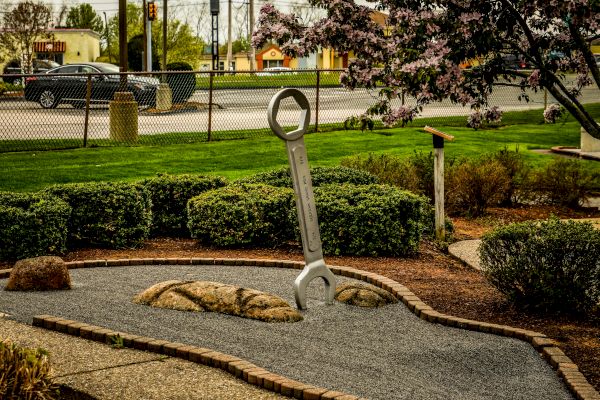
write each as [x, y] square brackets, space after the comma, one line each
[14, 68]
[512, 61]
[50, 90]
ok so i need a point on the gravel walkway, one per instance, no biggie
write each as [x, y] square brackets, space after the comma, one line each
[386, 353]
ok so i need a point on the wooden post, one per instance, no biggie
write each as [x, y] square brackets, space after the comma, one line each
[438, 180]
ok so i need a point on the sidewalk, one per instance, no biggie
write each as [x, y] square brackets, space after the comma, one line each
[97, 371]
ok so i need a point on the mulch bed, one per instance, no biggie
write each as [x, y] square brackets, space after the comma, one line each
[439, 280]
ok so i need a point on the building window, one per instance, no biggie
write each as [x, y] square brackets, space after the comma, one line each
[56, 57]
[272, 63]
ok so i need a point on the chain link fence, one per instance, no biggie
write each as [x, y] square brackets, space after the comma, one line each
[76, 108]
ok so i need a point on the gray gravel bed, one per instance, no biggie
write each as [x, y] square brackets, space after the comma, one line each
[385, 353]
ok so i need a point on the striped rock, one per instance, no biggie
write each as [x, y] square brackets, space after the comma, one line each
[363, 295]
[218, 297]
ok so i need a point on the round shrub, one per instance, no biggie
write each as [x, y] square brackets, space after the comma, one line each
[319, 176]
[549, 265]
[243, 214]
[372, 220]
[32, 225]
[182, 85]
[170, 194]
[109, 214]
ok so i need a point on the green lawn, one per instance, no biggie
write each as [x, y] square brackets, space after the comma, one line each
[29, 171]
[252, 81]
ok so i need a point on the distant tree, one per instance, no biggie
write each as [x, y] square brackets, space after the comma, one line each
[237, 46]
[83, 16]
[22, 26]
[182, 43]
[424, 42]
[135, 54]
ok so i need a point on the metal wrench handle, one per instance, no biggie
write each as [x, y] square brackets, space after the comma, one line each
[305, 203]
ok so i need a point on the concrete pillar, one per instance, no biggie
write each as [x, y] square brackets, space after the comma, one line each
[123, 117]
[164, 97]
[588, 142]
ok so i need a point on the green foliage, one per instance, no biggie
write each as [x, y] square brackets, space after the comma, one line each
[114, 215]
[517, 171]
[362, 121]
[241, 215]
[115, 341]
[473, 185]
[319, 176]
[32, 225]
[25, 373]
[3, 88]
[83, 16]
[422, 162]
[170, 194]
[182, 85]
[549, 265]
[563, 182]
[373, 220]
[391, 170]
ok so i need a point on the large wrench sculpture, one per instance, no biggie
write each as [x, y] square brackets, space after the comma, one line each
[305, 201]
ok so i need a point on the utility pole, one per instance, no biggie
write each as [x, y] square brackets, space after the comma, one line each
[251, 23]
[229, 45]
[214, 12]
[164, 39]
[123, 44]
[107, 37]
[145, 19]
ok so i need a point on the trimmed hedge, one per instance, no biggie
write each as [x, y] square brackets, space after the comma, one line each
[372, 220]
[170, 194]
[32, 225]
[319, 176]
[182, 85]
[108, 214]
[242, 214]
[549, 265]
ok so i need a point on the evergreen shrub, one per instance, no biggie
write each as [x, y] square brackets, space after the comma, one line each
[170, 194]
[373, 220]
[242, 215]
[549, 265]
[319, 176]
[32, 225]
[106, 214]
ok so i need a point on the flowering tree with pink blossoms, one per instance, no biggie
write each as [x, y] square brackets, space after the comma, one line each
[424, 42]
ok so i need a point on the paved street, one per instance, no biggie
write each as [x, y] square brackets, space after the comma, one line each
[237, 109]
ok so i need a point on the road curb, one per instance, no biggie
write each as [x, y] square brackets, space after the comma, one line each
[546, 347]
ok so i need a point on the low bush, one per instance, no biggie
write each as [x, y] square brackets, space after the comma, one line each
[114, 215]
[170, 194]
[563, 182]
[182, 85]
[517, 172]
[32, 225]
[319, 176]
[372, 220]
[549, 265]
[242, 215]
[473, 185]
[389, 169]
[25, 373]
[423, 165]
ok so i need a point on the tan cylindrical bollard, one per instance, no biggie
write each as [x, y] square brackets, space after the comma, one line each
[123, 117]
[588, 142]
[164, 97]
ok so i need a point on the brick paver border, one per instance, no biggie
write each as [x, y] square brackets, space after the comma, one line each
[253, 374]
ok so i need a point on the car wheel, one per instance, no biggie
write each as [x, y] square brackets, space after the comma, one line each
[48, 99]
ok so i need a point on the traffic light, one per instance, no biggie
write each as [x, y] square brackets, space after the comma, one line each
[152, 11]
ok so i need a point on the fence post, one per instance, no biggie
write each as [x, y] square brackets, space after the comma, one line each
[317, 101]
[88, 95]
[210, 104]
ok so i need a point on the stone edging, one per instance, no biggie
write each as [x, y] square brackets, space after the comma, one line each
[566, 369]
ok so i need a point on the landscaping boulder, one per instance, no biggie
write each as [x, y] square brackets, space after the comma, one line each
[218, 297]
[362, 295]
[39, 273]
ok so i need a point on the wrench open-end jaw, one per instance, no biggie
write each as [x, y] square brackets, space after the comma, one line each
[307, 212]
